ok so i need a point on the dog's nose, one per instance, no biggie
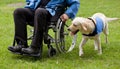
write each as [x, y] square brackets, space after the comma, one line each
[68, 29]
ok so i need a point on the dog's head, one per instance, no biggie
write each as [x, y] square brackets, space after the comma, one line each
[78, 24]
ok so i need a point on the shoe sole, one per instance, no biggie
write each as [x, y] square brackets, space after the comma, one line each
[32, 55]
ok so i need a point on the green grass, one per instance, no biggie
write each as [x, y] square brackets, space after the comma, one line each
[110, 59]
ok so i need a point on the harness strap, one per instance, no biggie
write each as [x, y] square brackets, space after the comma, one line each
[94, 32]
[92, 21]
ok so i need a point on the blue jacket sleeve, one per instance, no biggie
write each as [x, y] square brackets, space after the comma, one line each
[73, 6]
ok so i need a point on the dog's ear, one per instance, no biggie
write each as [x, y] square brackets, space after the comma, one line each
[83, 26]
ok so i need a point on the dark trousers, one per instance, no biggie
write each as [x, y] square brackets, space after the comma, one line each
[38, 19]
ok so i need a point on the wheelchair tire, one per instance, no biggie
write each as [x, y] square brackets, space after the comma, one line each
[51, 52]
[59, 37]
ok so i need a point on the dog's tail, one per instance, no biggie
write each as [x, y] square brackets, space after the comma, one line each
[112, 19]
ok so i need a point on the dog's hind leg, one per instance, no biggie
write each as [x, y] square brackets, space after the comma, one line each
[106, 32]
[95, 45]
[84, 40]
[98, 42]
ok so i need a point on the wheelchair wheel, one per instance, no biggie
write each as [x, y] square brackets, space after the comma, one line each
[60, 36]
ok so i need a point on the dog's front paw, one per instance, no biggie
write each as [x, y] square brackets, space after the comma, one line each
[81, 53]
[96, 48]
[99, 52]
[70, 49]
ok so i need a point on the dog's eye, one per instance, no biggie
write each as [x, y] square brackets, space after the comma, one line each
[74, 25]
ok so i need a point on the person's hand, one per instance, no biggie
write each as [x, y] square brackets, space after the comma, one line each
[64, 17]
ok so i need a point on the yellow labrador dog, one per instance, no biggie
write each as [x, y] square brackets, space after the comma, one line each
[90, 29]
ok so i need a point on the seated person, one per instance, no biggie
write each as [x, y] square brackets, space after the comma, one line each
[37, 13]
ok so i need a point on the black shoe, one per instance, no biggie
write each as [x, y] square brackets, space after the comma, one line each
[16, 49]
[31, 51]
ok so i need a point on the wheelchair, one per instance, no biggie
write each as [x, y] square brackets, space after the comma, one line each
[56, 41]
[57, 38]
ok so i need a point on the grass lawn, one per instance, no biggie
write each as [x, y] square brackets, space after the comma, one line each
[110, 59]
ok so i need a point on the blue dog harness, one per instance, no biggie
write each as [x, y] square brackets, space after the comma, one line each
[98, 27]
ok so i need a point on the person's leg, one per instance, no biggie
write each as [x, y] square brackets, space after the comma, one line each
[21, 17]
[40, 21]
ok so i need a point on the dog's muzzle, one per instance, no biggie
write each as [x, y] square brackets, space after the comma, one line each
[68, 29]
[74, 32]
